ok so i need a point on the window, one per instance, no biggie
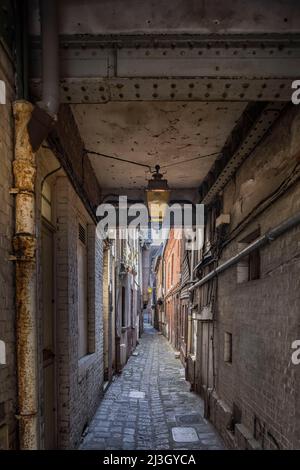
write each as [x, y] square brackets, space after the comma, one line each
[123, 307]
[46, 208]
[82, 290]
[248, 269]
[254, 265]
[228, 347]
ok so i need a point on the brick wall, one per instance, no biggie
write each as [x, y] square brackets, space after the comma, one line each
[172, 263]
[66, 143]
[106, 313]
[262, 315]
[172, 257]
[7, 292]
[80, 382]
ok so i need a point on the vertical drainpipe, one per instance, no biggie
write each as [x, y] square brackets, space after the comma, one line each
[24, 243]
[29, 134]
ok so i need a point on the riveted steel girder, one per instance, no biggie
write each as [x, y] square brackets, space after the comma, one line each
[236, 68]
[169, 89]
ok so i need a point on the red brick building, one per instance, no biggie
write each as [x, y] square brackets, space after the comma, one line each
[172, 264]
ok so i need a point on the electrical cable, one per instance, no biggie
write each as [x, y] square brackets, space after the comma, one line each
[191, 159]
[92, 152]
[144, 165]
[125, 160]
[49, 174]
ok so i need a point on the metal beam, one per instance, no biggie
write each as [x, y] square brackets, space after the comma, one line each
[275, 56]
[103, 90]
[198, 68]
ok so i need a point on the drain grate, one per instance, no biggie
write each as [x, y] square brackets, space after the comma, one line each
[189, 419]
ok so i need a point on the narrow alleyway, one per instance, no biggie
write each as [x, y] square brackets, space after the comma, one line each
[150, 406]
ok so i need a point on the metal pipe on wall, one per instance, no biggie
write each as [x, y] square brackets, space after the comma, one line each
[50, 55]
[24, 243]
[263, 240]
[44, 115]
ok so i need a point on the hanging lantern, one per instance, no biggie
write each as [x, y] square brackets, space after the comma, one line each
[158, 195]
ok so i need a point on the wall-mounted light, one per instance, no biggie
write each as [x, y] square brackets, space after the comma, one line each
[158, 195]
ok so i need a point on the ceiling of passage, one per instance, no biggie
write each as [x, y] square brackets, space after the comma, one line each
[164, 133]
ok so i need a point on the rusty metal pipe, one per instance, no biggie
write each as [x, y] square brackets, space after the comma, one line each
[50, 55]
[261, 241]
[24, 243]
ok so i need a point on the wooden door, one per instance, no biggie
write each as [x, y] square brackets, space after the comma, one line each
[48, 320]
[82, 291]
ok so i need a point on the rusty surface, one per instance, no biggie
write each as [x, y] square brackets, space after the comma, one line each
[24, 246]
[24, 175]
[25, 209]
[22, 113]
[24, 243]
[28, 435]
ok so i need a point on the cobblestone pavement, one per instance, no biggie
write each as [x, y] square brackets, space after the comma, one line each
[149, 406]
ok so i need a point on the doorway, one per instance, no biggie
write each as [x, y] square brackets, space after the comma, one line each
[48, 328]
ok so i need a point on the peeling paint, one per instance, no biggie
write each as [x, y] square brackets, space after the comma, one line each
[24, 243]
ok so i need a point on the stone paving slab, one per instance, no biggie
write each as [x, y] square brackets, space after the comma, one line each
[149, 406]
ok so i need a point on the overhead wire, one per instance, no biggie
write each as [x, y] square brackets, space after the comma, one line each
[149, 167]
